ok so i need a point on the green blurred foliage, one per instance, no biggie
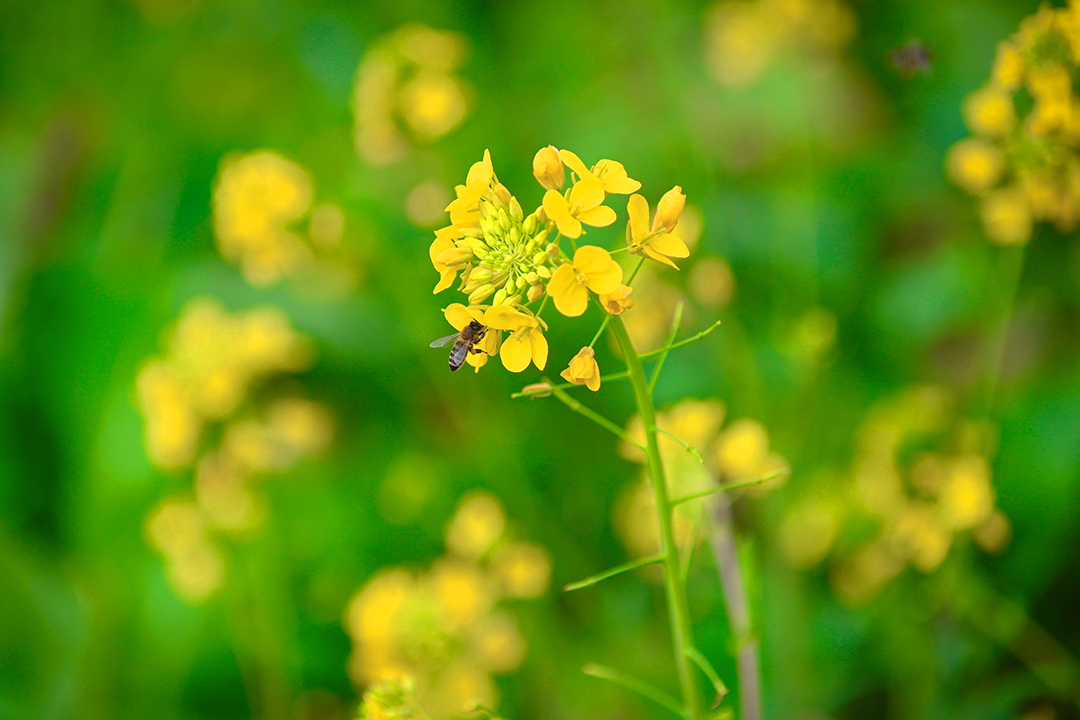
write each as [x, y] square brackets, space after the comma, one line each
[821, 185]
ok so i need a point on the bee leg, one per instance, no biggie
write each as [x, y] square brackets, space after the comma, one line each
[476, 350]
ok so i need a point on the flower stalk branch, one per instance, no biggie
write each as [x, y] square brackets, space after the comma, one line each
[675, 589]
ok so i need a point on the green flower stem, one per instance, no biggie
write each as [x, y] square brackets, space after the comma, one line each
[687, 341]
[596, 417]
[675, 589]
[738, 609]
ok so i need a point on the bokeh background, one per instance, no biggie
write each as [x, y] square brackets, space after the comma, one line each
[235, 482]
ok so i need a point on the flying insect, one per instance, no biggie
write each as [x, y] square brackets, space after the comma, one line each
[463, 342]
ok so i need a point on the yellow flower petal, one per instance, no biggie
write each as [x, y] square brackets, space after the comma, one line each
[557, 208]
[516, 352]
[615, 179]
[504, 317]
[600, 216]
[539, 348]
[586, 194]
[459, 315]
[638, 210]
[561, 280]
[573, 162]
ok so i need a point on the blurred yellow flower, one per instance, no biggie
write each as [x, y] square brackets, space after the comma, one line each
[441, 631]
[975, 165]
[256, 196]
[990, 113]
[1006, 216]
[583, 370]
[478, 522]
[406, 92]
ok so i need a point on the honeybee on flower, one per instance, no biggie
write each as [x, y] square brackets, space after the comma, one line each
[509, 263]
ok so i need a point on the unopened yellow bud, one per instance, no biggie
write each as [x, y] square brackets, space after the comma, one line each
[521, 283]
[480, 275]
[548, 168]
[553, 251]
[502, 195]
[504, 220]
[532, 278]
[514, 236]
[535, 292]
[530, 224]
[514, 299]
[455, 256]
[481, 294]
[472, 231]
[515, 209]
[500, 297]
[544, 271]
[540, 258]
[668, 210]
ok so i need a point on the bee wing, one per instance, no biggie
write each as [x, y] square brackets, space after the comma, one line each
[443, 342]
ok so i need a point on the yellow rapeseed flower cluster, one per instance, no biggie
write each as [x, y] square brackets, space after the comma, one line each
[213, 363]
[508, 261]
[738, 452]
[259, 199]
[1022, 162]
[442, 630]
[407, 91]
[744, 37]
[922, 475]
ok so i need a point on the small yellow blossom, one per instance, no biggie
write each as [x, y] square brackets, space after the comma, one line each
[1009, 68]
[580, 206]
[592, 269]
[583, 370]
[548, 168]
[523, 569]
[656, 243]
[612, 175]
[476, 525]
[1006, 217]
[975, 165]
[990, 113]
[618, 301]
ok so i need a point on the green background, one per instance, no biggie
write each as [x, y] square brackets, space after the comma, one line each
[112, 127]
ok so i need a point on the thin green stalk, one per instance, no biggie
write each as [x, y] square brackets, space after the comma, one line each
[675, 589]
[596, 417]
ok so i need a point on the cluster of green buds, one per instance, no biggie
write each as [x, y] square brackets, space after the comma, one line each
[508, 261]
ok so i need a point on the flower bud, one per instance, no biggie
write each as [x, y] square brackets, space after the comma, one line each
[515, 209]
[618, 301]
[668, 210]
[532, 278]
[500, 297]
[553, 251]
[535, 292]
[530, 224]
[504, 220]
[502, 195]
[537, 390]
[548, 168]
[481, 294]
[544, 271]
[514, 236]
[455, 256]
